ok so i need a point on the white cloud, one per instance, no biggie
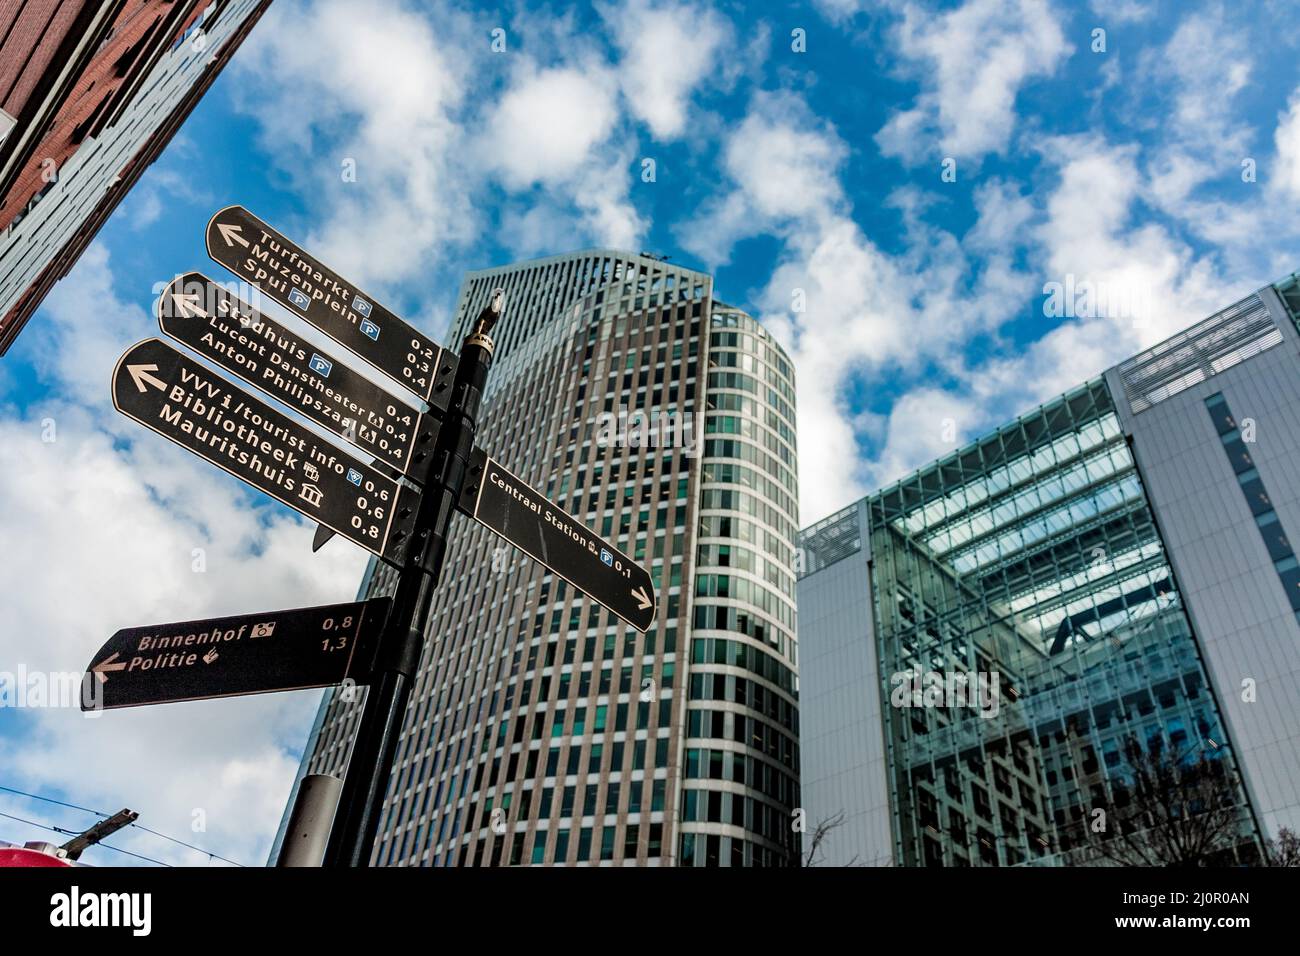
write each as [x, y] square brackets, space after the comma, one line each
[668, 49]
[1286, 139]
[1196, 77]
[548, 123]
[552, 140]
[867, 312]
[783, 164]
[972, 62]
[840, 12]
[1122, 11]
[1092, 228]
[77, 353]
[911, 313]
[381, 93]
[439, 128]
[923, 425]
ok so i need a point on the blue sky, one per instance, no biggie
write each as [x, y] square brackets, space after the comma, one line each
[916, 173]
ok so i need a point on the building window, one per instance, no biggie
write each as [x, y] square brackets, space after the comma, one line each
[1233, 437]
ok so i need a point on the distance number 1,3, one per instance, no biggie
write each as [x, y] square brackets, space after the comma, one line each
[342, 636]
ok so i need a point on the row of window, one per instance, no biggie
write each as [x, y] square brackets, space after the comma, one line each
[747, 693]
[747, 383]
[487, 774]
[731, 473]
[751, 732]
[1261, 505]
[746, 451]
[753, 345]
[740, 621]
[741, 529]
[729, 499]
[543, 800]
[711, 849]
[755, 366]
[759, 412]
[745, 559]
[742, 589]
[719, 424]
[739, 810]
[717, 650]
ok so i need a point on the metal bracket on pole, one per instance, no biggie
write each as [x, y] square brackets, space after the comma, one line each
[309, 823]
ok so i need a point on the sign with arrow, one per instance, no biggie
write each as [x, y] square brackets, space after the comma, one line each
[523, 516]
[225, 656]
[259, 255]
[222, 328]
[181, 400]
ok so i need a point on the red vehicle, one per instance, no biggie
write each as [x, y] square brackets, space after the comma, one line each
[33, 854]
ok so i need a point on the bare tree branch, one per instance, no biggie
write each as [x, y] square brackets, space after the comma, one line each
[818, 836]
[1171, 809]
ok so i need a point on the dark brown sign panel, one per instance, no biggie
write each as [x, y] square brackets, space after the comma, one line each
[522, 516]
[218, 325]
[225, 656]
[259, 255]
[181, 400]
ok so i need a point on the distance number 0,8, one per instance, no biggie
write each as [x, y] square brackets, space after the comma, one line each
[340, 640]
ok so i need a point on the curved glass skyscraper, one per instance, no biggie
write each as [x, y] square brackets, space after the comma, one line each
[542, 729]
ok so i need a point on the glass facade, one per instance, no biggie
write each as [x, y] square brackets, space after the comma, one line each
[742, 752]
[1028, 628]
[542, 729]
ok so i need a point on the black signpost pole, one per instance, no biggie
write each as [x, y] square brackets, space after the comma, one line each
[356, 821]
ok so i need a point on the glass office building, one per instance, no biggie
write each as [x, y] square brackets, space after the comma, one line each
[985, 640]
[543, 730]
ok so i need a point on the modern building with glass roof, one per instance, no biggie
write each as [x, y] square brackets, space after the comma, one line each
[996, 647]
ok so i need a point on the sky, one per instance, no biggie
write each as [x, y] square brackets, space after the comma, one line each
[899, 190]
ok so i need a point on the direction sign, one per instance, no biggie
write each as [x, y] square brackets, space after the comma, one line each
[259, 255]
[524, 517]
[224, 329]
[224, 656]
[181, 400]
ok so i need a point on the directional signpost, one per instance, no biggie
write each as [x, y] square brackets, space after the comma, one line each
[521, 515]
[182, 401]
[286, 273]
[225, 656]
[399, 507]
[219, 326]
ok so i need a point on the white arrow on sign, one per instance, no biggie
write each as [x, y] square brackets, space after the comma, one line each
[188, 305]
[140, 375]
[642, 597]
[232, 234]
[107, 665]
